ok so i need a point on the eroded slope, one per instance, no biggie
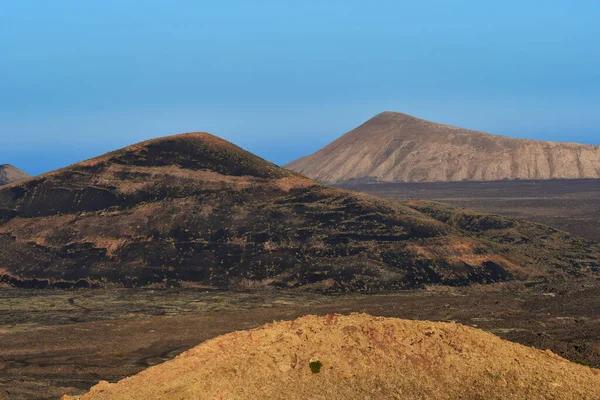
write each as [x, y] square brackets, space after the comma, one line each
[395, 147]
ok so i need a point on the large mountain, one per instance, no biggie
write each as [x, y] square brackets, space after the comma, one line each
[193, 208]
[9, 174]
[395, 147]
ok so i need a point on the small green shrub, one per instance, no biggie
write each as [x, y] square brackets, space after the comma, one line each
[315, 366]
[581, 362]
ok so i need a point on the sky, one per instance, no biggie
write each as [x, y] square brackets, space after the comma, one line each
[284, 78]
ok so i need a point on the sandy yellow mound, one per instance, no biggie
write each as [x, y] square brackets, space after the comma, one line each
[360, 357]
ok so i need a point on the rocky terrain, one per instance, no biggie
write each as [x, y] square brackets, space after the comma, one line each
[358, 356]
[57, 342]
[193, 208]
[9, 174]
[395, 147]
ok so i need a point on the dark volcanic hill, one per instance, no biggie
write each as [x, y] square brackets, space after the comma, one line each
[9, 174]
[195, 208]
[395, 147]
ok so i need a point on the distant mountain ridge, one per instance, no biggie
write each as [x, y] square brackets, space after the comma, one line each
[9, 174]
[395, 147]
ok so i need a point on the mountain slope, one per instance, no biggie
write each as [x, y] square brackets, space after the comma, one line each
[397, 147]
[195, 208]
[9, 174]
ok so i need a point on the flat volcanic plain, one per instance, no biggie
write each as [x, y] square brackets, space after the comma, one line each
[572, 205]
[55, 342]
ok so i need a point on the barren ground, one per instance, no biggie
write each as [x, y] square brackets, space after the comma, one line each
[64, 341]
[396, 147]
[357, 356]
[570, 205]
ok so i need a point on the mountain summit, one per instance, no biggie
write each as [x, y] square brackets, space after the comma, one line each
[195, 209]
[9, 174]
[393, 147]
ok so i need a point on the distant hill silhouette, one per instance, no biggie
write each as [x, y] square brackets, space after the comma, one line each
[395, 147]
[193, 208]
[9, 174]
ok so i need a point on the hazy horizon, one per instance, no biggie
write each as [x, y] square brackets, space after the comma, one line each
[283, 80]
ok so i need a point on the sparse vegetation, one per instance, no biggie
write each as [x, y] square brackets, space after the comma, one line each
[580, 362]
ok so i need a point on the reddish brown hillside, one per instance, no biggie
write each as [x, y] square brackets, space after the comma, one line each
[196, 209]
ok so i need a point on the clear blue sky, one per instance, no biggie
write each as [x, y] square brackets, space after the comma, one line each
[283, 78]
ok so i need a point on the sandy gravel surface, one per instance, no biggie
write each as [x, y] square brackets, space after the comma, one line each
[361, 357]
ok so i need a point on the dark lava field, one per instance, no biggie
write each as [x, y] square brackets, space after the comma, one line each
[571, 205]
[64, 341]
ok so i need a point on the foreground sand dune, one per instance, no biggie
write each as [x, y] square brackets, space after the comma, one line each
[362, 357]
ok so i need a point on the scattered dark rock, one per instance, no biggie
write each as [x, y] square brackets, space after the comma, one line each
[195, 208]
